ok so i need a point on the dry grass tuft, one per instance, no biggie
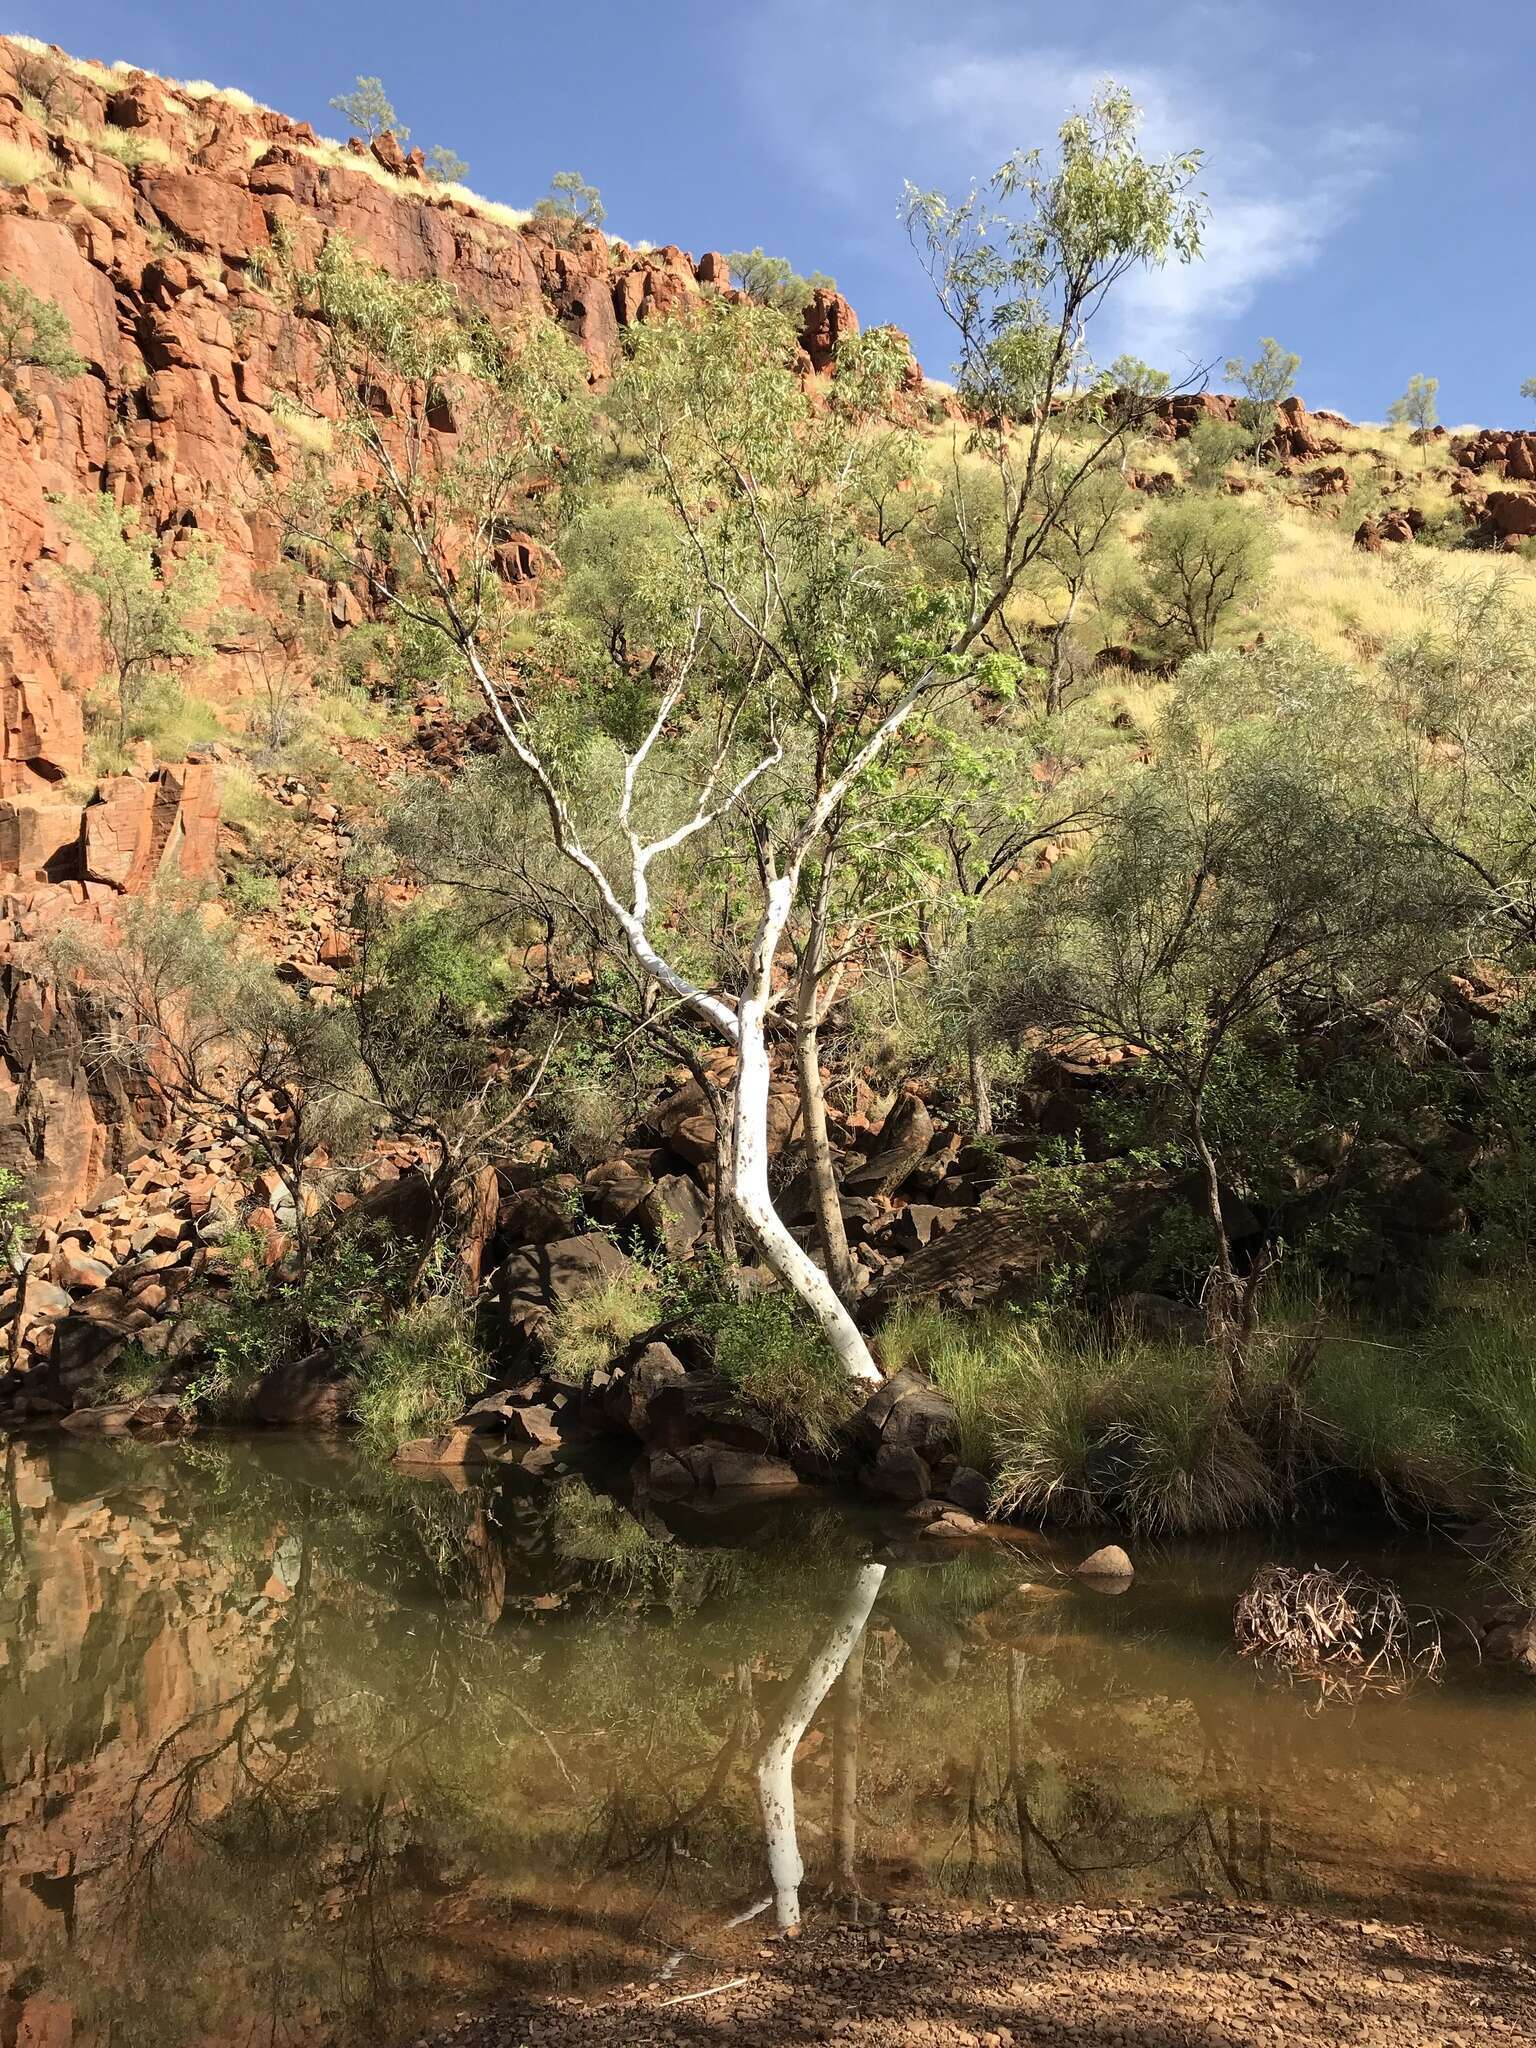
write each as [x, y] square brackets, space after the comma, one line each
[1345, 1633]
[22, 166]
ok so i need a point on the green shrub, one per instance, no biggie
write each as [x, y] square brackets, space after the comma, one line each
[417, 1377]
[981, 1362]
[249, 891]
[261, 1319]
[34, 334]
[777, 1360]
[591, 1329]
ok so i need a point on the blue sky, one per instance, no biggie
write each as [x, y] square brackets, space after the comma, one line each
[1367, 160]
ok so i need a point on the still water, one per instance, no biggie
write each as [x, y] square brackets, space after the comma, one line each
[294, 1751]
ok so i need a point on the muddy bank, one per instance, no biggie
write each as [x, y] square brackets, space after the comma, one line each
[1145, 1977]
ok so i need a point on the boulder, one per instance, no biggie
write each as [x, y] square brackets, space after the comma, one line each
[904, 1140]
[967, 1489]
[1510, 514]
[674, 1214]
[540, 1214]
[613, 1191]
[461, 1445]
[306, 1393]
[908, 1412]
[704, 1408]
[1509, 1637]
[1109, 1562]
[537, 1279]
[626, 1400]
[898, 1473]
[716, 1468]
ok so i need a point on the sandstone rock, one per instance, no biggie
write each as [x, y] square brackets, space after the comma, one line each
[540, 1214]
[717, 1468]
[74, 1269]
[1511, 514]
[908, 1412]
[898, 1472]
[309, 1393]
[1110, 1562]
[539, 1278]
[704, 1408]
[627, 1398]
[674, 1214]
[1509, 1637]
[904, 1139]
[968, 1489]
[461, 1445]
[614, 1190]
[828, 319]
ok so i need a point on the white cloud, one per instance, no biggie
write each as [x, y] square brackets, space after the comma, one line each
[1278, 186]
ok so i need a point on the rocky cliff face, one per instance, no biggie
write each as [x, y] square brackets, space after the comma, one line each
[147, 213]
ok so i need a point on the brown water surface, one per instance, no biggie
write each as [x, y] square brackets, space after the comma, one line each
[295, 1752]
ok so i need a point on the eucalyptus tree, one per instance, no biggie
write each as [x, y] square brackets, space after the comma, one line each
[1267, 382]
[1249, 873]
[1418, 410]
[787, 651]
[1463, 688]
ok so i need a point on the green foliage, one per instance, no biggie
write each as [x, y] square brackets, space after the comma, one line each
[1130, 373]
[248, 891]
[1417, 407]
[13, 1219]
[263, 1318]
[772, 281]
[1201, 560]
[445, 166]
[1267, 382]
[777, 1360]
[416, 1376]
[593, 1328]
[368, 109]
[1528, 389]
[571, 206]
[1212, 447]
[147, 599]
[34, 333]
[980, 1361]
[1020, 285]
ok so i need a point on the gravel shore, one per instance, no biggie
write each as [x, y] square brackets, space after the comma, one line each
[1220, 1976]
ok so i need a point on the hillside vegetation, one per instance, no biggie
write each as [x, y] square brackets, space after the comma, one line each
[741, 870]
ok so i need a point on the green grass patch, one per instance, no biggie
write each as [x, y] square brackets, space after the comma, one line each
[417, 1376]
[591, 1330]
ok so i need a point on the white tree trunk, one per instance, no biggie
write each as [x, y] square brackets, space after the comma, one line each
[793, 1265]
[775, 1768]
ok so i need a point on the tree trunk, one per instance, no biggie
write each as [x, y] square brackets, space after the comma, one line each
[1224, 1313]
[1053, 688]
[975, 1052]
[825, 1199]
[754, 1198]
[980, 1085]
[849, 1715]
[775, 1769]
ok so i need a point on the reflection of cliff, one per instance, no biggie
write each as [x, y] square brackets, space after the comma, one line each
[128, 1669]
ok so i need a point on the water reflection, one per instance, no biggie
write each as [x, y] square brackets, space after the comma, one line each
[293, 1752]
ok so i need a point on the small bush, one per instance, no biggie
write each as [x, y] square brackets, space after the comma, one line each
[259, 1320]
[128, 149]
[778, 1361]
[418, 1377]
[591, 1329]
[250, 892]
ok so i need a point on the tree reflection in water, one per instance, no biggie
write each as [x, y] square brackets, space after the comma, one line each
[290, 1750]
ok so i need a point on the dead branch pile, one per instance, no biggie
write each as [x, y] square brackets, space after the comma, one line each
[1343, 1632]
